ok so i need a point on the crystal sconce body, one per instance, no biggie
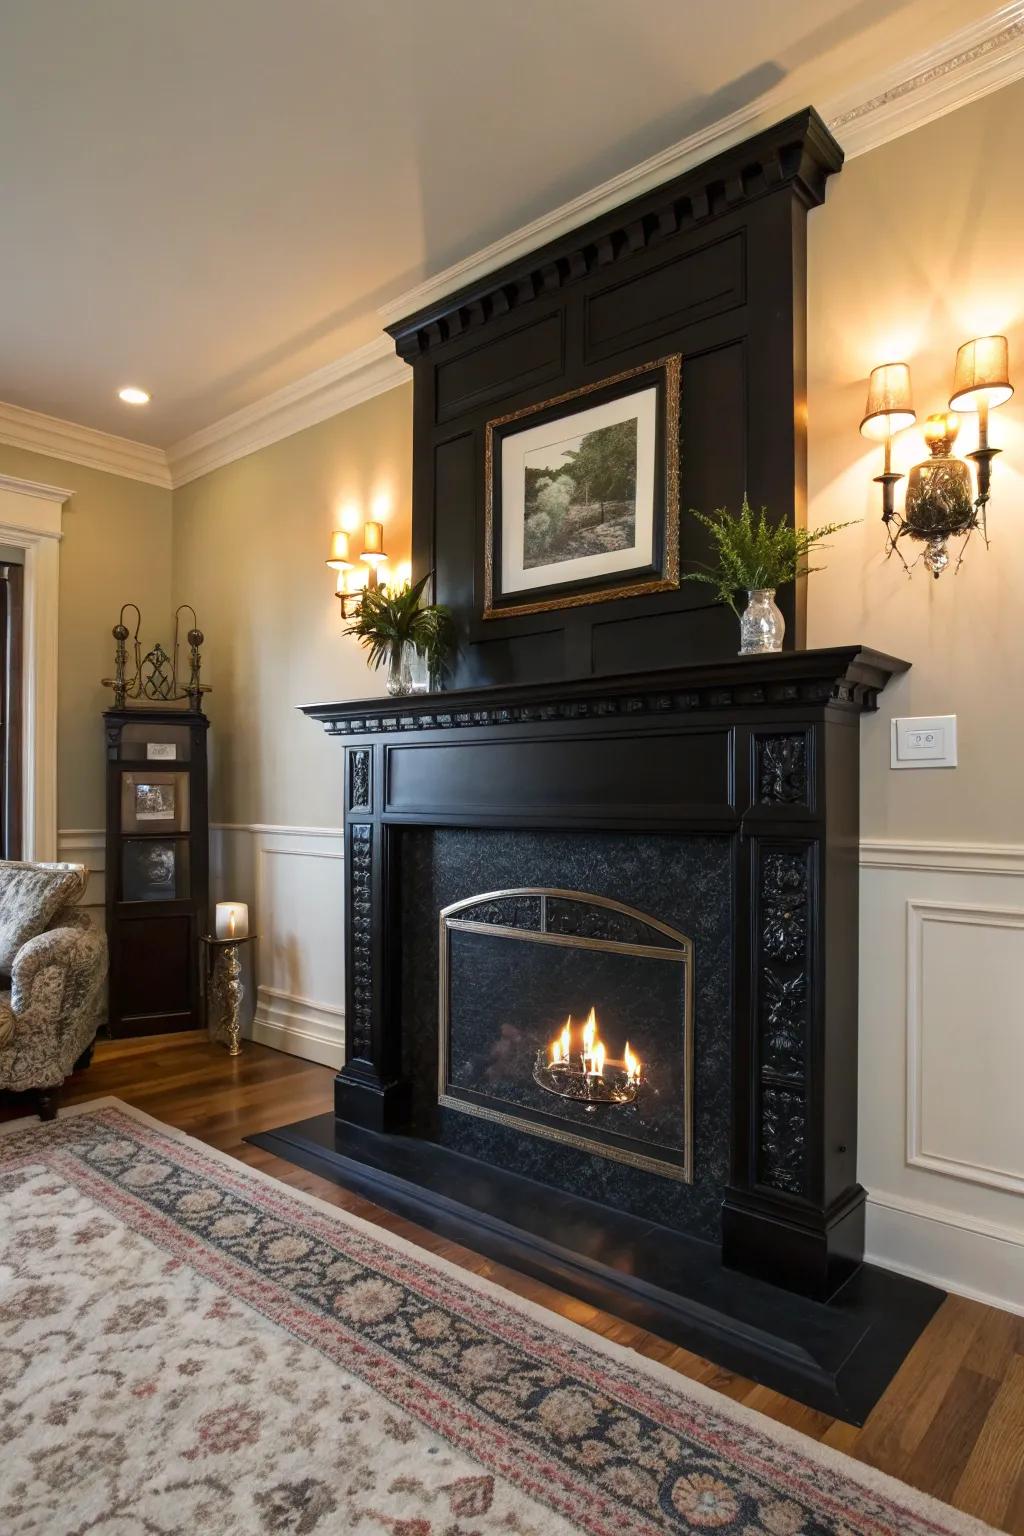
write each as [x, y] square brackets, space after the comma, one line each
[941, 503]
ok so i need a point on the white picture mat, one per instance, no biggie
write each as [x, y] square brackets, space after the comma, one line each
[515, 577]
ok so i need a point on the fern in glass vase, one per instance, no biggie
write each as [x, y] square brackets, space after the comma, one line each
[755, 556]
[391, 620]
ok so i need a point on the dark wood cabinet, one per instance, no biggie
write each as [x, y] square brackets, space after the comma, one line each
[157, 867]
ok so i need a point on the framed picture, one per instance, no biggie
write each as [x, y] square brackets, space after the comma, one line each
[154, 801]
[153, 870]
[582, 495]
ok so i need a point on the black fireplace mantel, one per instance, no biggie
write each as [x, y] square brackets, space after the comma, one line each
[764, 750]
[849, 676]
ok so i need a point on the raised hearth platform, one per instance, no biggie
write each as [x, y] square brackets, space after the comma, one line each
[837, 1357]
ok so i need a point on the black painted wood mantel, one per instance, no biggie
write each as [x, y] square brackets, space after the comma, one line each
[710, 266]
[764, 750]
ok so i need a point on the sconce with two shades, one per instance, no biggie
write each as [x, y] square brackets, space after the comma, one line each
[940, 501]
[351, 579]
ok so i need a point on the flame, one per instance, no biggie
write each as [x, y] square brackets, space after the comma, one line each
[589, 1033]
[593, 1052]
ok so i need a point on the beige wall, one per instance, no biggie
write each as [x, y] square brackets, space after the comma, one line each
[919, 248]
[116, 548]
[250, 542]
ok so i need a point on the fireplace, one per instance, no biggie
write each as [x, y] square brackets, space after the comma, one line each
[664, 861]
[491, 977]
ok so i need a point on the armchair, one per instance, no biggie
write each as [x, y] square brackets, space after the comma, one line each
[54, 1003]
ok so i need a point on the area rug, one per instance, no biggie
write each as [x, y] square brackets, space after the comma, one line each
[189, 1346]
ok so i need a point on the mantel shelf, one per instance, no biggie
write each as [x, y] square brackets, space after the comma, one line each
[848, 677]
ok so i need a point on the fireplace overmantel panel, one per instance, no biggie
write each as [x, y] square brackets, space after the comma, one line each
[762, 750]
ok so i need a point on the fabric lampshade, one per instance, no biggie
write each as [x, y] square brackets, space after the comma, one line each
[889, 408]
[982, 374]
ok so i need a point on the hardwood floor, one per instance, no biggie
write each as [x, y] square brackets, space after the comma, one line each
[951, 1423]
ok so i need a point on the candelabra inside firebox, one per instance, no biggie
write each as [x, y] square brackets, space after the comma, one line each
[588, 1075]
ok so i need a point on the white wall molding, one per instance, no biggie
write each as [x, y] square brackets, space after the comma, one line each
[973, 915]
[293, 878]
[20, 428]
[946, 858]
[52, 493]
[969, 64]
[88, 846]
[978, 59]
[30, 519]
[315, 1031]
[369, 370]
[275, 830]
[981, 1260]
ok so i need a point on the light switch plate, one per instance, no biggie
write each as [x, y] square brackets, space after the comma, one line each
[924, 741]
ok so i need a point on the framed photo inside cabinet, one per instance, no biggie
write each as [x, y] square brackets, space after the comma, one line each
[154, 801]
[582, 495]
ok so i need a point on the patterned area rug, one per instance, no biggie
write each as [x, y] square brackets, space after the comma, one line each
[188, 1346]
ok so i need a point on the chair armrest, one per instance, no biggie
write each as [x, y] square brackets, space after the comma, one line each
[61, 966]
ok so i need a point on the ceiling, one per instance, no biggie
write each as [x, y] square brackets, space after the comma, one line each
[212, 198]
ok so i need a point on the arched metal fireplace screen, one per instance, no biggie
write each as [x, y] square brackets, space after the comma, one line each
[570, 1017]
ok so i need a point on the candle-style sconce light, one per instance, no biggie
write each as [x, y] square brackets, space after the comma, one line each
[941, 502]
[355, 576]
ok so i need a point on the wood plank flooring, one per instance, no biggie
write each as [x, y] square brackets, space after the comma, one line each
[951, 1423]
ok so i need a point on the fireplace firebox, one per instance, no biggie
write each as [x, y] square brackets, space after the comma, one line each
[522, 1044]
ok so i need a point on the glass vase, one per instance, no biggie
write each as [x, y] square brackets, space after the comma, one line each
[761, 624]
[399, 671]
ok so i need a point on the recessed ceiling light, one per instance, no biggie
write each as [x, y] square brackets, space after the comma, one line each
[132, 395]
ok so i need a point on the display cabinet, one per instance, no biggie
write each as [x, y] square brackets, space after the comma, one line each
[157, 867]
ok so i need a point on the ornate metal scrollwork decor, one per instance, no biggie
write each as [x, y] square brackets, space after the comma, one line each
[154, 677]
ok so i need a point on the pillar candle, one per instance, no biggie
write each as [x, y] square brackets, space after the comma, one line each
[232, 920]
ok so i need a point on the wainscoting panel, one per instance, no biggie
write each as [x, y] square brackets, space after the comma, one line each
[88, 846]
[941, 1148]
[942, 1062]
[292, 878]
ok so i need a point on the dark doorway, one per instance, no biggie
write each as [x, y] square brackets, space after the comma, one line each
[12, 604]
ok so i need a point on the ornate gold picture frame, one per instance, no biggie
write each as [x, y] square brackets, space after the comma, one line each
[582, 494]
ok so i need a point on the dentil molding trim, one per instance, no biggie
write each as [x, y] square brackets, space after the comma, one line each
[971, 63]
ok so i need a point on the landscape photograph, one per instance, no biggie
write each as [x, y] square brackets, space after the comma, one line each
[580, 495]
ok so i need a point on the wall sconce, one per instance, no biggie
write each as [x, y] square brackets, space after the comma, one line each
[940, 502]
[351, 580]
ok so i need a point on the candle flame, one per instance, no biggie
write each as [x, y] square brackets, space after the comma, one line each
[632, 1065]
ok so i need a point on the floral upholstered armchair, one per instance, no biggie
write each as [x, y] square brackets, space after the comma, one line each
[53, 967]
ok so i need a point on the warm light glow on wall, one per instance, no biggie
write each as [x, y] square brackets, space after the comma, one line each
[380, 506]
[349, 517]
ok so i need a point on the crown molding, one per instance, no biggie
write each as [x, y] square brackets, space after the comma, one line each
[68, 440]
[369, 370]
[36, 489]
[971, 63]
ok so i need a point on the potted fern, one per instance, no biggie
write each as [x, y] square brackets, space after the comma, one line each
[392, 625]
[756, 557]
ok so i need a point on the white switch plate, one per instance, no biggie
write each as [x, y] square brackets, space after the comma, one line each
[924, 741]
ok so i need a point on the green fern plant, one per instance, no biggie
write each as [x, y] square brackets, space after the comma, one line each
[390, 617]
[753, 553]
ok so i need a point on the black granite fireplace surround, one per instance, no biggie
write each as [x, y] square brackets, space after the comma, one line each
[684, 882]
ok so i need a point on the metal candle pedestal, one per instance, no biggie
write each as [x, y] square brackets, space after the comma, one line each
[224, 989]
